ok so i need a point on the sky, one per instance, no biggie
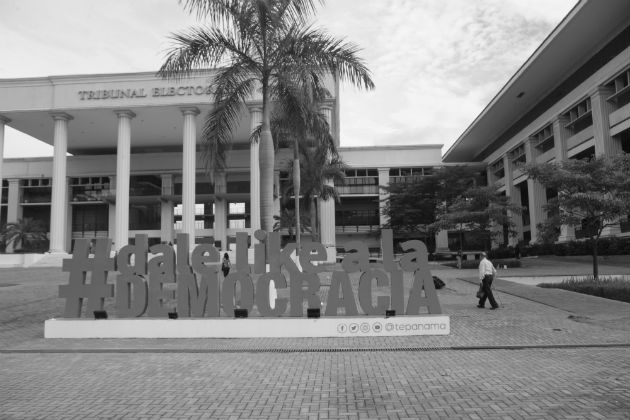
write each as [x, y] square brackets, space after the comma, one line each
[435, 63]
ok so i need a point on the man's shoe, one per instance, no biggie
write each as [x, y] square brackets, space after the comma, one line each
[479, 306]
[494, 307]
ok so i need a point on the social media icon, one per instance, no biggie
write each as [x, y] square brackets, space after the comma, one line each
[354, 328]
[365, 327]
[377, 327]
[342, 328]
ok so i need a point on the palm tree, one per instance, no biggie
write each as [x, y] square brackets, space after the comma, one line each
[23, 233]
[262, 46]
[319, 168]
[297, 122]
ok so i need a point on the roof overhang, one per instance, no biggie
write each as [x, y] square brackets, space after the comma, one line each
[589, 26]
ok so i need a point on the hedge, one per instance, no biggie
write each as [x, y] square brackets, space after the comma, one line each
[605, 246]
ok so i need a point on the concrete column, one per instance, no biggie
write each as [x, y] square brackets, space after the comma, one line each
[327, 208]
[59, 204]
[166, 209]
[189, 169]
[3, 122]
[560, 136]
[220, 210]
[515, 198]
[441, 241]
[383, 181]
[254, 172]
[123, 169]
[537, 196]
[14, 210]
[605, 144]
[111, 210]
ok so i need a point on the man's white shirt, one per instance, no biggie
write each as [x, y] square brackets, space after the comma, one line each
[486, 268]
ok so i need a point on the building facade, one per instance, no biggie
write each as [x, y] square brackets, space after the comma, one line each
[127, 161]
[570, 100]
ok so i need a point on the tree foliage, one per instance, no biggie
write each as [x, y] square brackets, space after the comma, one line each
[261, 47]
[592, 194]
[23, 233]
[478, 210]
[412, 206]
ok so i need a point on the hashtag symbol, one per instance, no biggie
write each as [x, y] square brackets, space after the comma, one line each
[78, 266]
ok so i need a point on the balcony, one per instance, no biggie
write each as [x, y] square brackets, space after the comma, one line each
[580, 137]
[617, 117]
[357, 189]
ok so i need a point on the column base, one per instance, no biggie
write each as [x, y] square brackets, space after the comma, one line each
[331, 253]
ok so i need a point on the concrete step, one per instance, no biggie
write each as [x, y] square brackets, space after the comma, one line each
[51, 260]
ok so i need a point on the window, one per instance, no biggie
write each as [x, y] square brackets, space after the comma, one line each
[497, 169]
[407, 175]
[517, 156]
[543, 140]
[144, 216]
[89, 189]
[579, 117]
[620, 86]
[36, 190]
[237, 208]
[5, 191]
[359, 181]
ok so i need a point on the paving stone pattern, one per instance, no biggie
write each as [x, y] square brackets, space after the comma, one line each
[488, 384]
[538, 357]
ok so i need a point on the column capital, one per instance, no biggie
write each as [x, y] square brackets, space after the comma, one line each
[190, 110]
[63, 116]
[604, 91]
[124, 113]
[4, 120]
[326, 105]
[254, 108]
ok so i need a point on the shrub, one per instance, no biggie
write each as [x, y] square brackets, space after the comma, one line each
[467, 264]
[605, 246]
[606, 287]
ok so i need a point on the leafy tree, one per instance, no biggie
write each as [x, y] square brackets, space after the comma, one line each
[261, 46]
[319, 166]
[23, 233]
[593, 194]
[477, 210]
[412, 207]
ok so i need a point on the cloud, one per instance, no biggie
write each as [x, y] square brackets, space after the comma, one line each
[435, 63]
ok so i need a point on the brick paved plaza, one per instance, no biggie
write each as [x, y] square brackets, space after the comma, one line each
[545, 354]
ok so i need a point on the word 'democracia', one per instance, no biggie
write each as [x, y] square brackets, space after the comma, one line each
[163, 278]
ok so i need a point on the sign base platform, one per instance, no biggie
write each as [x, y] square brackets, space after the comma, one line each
[248, 327]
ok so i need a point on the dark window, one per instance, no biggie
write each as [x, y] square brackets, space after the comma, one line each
[144, 216]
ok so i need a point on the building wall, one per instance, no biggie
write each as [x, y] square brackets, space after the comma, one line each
[606, 135]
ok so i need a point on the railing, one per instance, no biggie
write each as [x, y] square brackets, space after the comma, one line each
[357, 228]
[357, 189]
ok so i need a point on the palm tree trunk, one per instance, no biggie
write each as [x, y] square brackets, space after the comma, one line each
[296, 192]
[267, 163]
[595, 262]
[314, 230]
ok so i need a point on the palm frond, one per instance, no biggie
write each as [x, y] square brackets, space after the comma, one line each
[233, 86]
[313, 48]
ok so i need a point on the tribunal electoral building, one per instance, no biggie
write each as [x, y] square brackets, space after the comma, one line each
[126, 146]
[127, 161]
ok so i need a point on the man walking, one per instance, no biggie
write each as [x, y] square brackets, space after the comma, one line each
[486, 275]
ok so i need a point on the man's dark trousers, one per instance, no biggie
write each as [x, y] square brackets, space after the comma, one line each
[486, 284]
